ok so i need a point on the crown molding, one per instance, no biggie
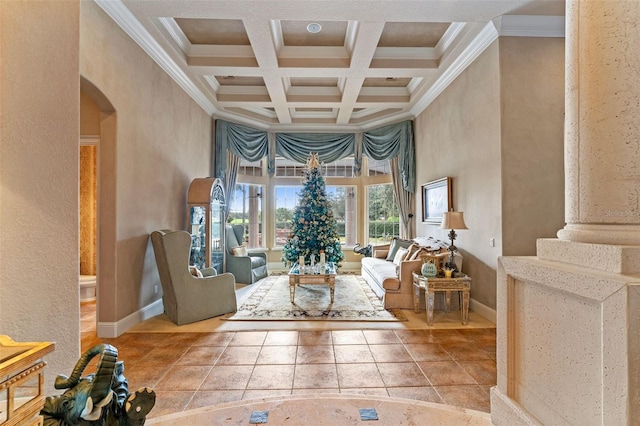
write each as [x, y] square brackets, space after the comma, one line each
[487, 35]
[130, 25]
[531, 26]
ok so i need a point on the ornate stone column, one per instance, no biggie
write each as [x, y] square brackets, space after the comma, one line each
[568, 350]
[602, 139]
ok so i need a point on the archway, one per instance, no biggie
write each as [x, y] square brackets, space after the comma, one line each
[105, 247]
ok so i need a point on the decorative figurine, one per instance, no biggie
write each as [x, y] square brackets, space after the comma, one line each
[366, 251]
[102, 398]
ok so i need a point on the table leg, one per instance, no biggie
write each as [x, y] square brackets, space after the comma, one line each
[292, 288]
[465, 307]
[447, 301]
[332, 287]
[430, 296]
[416, 297]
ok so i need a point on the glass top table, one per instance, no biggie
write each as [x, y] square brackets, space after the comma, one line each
[312, 275]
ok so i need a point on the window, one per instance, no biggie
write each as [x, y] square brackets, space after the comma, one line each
[384, 218]
[343, 203]
[285, 202]
[246, 209]
[250, 168]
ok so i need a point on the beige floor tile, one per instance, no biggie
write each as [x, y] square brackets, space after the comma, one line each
[349, 354]
[348, 337]
[277, 355]
[239, 355]
[227, 377]
[402, 374]
[313, 338]
[390, 353]
[379, 337]
[427, 352]
[183, 378]
[265, 393]
[168, 402]
[420, 393]
[446, 373]
[272, 377]
[365, 375]
[214, 339]
[468, 396]
[465, 352]
[483, 372]
[315, 355]
[200, 355]
[206, 398]
[309, 376]
[281, 338]
[248, 338]
[414, 336]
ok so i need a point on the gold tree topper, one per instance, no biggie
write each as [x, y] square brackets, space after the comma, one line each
[313, 162]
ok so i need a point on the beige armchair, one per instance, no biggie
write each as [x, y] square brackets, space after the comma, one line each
[188, 298]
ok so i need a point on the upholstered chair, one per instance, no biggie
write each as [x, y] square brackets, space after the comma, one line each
[246, 267]
[189, 295]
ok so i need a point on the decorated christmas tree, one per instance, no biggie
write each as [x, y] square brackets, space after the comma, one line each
[313, 226]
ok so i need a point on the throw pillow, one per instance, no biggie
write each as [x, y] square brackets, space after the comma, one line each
[397, 243]
[195, 272]
[399, 257]
[416, 254]
[412, 249]
[239, 251]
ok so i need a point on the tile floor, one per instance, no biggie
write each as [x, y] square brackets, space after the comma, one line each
[190, 370]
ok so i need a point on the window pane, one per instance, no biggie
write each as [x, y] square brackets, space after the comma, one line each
[384, 221]
[246, 209]
[250, 168]
[378, 167]
[343, 203]
[285, 202]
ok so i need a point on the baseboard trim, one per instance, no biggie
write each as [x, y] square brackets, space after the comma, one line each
[483, 310]
[115, 329]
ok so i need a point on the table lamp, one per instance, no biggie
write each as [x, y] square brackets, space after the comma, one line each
[452, 221]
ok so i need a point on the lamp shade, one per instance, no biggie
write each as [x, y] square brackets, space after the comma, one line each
[453, 220]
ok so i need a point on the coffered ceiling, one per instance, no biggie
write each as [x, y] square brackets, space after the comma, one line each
[323, 65]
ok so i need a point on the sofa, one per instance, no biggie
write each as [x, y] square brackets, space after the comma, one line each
[389, 271]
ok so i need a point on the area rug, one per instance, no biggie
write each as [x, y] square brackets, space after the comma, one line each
[353, 301]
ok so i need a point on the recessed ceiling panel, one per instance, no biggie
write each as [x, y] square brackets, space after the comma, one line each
[314, 81]
[294, 33]
[412, 34]
[229, 80]
[386, 82]
[214, 31]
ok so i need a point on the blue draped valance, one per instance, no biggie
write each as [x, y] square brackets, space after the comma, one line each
[379, 144]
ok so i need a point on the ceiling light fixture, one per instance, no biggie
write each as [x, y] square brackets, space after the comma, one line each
[314, 27]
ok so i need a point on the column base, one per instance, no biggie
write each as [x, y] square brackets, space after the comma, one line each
[601, 234]
[615, 259]
[567, 348]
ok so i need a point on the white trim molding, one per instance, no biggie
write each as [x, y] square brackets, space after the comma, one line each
[115, 329]
[483, 310]
[531, 26]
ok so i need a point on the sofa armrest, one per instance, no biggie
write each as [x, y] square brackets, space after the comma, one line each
[381, 251]
[405, 276]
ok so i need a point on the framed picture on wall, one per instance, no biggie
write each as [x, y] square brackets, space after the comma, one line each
[436, 199]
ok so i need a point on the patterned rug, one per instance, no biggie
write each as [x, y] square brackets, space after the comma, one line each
[353, 301]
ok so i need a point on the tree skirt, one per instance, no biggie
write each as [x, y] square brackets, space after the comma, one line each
[353, 301]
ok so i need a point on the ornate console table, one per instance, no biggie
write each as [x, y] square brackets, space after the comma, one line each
[22, 381]
[431, 285]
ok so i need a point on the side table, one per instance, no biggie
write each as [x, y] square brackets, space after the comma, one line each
[431, 285]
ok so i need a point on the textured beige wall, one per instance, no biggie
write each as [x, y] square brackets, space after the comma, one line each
[162, 142]
[458, 135]
[498, 132]
[532, 93]
[39, 127]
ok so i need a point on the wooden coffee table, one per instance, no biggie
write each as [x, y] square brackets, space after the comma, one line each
[312, 277]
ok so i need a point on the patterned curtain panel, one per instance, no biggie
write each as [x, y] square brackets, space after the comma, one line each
[395, 140]
[245, 142]
[329, 146]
